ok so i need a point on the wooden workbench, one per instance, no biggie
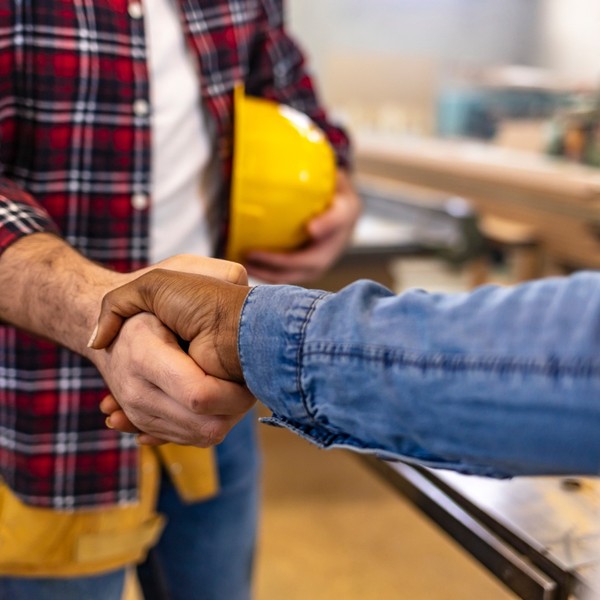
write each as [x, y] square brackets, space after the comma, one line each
[560, 199]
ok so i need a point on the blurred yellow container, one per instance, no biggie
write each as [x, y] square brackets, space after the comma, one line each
[284, 174]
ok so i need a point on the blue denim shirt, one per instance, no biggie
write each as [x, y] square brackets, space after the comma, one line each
[496, 382]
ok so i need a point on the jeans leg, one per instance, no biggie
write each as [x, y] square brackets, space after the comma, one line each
[206, 551]
[99, 587]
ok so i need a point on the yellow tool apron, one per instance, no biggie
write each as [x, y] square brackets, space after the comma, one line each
[46, 543]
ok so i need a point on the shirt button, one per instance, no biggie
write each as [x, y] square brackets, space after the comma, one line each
[139, 201]
[135, 10]
[141, 108]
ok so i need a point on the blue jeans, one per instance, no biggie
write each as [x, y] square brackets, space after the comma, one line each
[102, 587]
[207, 549]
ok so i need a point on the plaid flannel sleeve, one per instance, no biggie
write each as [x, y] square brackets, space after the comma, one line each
[278, 71]
[20, 214]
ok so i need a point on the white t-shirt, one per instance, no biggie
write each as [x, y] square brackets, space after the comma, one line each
[181, 144]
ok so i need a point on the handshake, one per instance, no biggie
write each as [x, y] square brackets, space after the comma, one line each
[204, 313]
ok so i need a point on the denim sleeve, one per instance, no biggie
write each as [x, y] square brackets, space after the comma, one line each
[496, 382]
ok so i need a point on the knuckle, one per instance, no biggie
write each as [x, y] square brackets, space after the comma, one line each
[212, 433]
[107, 302]
[196, 404]
[193, 399]
[134, 353]
[237, 274]
[134, 404]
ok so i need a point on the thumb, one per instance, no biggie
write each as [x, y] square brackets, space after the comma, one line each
[117, 305]
[325, 224]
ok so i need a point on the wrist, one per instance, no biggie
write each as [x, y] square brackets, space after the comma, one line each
[227, 338]
[50, 290]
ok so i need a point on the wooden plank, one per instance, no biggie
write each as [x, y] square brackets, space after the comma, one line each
[562, 201]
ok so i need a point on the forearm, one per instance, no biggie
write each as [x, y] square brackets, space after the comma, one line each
[49, 289]
[502, 381]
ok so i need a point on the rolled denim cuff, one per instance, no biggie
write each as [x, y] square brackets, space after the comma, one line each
[270, 341]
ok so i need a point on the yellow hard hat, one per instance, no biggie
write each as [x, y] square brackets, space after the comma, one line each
[283, 175]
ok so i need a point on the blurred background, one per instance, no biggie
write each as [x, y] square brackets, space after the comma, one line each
[499, 70]
[476, 126]
[477, 138]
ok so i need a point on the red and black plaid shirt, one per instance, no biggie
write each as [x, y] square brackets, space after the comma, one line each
[74, 151]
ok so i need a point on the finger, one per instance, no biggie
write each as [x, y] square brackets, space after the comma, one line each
[203, 431]
[300, 259]
[159, 419]
[200, 265]
[117, 305]
[109, 405]
[294, 267]
[198, 392]
[342, 214]
[106, 330]
[272, 260]
[119, 421]
[329, 222]
[145, 439]
[131, 298]
[126, 301]
[116, 417]
[179, 394]
[175, 373]
[296, 276]
[213, 402]
[218, 397]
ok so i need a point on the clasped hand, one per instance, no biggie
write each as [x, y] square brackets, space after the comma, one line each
[203, 312]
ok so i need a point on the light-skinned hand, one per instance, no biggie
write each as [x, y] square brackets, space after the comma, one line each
[329, 233]
[203, 311]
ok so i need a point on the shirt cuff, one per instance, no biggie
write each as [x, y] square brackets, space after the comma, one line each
[270, 340]
[20, 215]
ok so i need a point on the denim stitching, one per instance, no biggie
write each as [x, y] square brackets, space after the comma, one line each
[551, 366]
[300, 354]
